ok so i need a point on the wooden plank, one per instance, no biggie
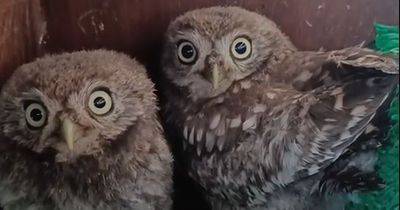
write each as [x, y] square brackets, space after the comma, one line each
[20, 25]
[137, 26]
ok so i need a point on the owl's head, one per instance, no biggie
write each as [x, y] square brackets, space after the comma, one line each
[207, 50]
[74, 104]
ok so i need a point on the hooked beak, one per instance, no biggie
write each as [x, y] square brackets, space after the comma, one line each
[215, 77]
[70, 132]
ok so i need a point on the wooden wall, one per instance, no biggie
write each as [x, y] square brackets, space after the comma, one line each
[19, 33]
[29, 28]
[131, 24]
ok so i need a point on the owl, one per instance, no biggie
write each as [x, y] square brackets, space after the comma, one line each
[266, 126]
[80, 131]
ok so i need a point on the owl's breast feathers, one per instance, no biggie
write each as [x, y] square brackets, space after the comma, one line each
[132, 171]
[286, 123]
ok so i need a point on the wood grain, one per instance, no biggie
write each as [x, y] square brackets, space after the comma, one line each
[137, 26]
[20, 26]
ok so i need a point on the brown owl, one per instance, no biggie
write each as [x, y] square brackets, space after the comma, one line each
[264, 125]
[80, 131]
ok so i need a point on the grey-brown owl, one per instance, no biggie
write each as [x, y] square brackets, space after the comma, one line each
[80, 131]
[264, 125]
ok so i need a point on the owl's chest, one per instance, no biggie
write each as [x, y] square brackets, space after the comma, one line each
[225, 141]
[53, 187]
[230, 119]
[217, 126]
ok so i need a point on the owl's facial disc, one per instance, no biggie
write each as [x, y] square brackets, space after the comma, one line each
[213, 70]
[68, 137]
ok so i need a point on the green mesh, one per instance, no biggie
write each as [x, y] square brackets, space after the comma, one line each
[386, 41]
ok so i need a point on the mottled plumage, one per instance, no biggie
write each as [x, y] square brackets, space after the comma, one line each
[264, 125]
[80, 131]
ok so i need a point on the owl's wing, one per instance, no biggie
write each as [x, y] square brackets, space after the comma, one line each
[341, 93]
[310, 70]
[355, 169]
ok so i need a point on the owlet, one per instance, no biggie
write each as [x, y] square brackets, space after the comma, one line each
[80, 131]
[267, 126]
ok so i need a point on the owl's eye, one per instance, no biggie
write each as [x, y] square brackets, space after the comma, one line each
[35, 114]
[100, 102]
[241, 48]
[187, 53]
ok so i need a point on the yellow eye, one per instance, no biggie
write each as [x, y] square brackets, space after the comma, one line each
[241, 48]
[100, 102]
[35, 115]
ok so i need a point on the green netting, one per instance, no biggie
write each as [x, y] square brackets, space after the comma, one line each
[386, 41]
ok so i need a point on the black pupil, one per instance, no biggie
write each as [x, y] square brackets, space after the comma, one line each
[99, 102]
[36, 115]
[240, 47]
[187, 51]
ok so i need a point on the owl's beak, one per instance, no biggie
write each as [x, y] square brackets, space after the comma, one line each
[70, 132]
[212, 75]
[215, 77]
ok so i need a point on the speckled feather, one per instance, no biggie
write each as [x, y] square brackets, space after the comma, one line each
[278, 118]
[126, 165]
